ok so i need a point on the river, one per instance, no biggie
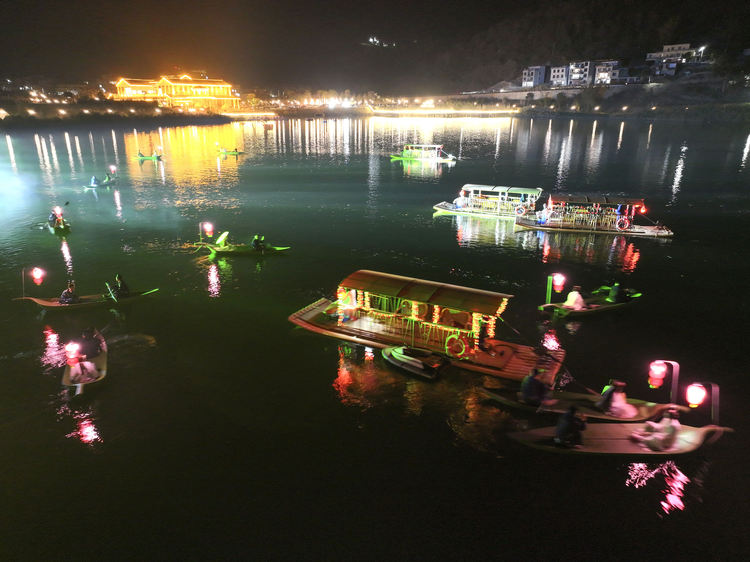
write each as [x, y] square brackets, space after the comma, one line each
[222, 431]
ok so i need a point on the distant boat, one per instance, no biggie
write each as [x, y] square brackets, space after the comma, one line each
[492, 201]
[433, 152]
[577, 212]
[85, 301]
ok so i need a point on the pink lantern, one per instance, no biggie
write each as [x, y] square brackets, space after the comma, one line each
[37, 274]
[208, 228]
[558, 282]
[656, 373]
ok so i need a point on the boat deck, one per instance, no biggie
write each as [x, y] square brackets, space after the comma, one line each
[505, 360]
[561, 225]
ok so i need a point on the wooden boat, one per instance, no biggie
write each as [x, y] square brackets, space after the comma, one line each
[491, 201]
[86, 372]
[433, 152]
[142, 158]
[592, 213]
[559, 401]
[221, 247]
[383, 310]
[595, 304]
[614, 439]
[421, 362]
[85, 301]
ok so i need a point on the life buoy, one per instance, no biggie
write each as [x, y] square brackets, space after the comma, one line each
[456, 345]
[622, 224]
[520, 211]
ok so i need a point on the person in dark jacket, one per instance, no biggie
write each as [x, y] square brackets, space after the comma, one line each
[533, 390]
[69, 296]
[570, 426]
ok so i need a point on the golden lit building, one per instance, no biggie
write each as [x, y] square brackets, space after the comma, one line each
[182, 91]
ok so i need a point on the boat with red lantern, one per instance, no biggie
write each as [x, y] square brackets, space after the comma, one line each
[85, 301]
[222, 247]
[575, 212]
[79, 373]
[383, 310]
[615, 439]
[559, 402]
[599, 302]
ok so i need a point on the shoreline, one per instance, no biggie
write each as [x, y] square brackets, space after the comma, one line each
[21, 123]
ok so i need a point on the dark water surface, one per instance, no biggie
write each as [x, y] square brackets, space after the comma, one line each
[224, 432]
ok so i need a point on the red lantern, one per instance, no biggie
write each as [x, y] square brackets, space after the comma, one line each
[558, 282]
[208, 228]
[695, 395]
[71, 352]
[656, 373]
[37, 274]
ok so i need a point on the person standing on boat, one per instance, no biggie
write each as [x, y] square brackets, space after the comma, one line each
[570, 426]
[69, 296]
[92, 344]
[533, 390]
[120, 289]
[94, 181]
[575, 300]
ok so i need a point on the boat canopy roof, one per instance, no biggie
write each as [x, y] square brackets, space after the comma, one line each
[423, 146]
[429, 292]
[503, 189]
[590, 199]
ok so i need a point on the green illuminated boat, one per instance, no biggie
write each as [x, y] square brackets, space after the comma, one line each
[221, 247]
[492, 201]
[141, 157]
[230, 152]
[597, 303]
[431, 152]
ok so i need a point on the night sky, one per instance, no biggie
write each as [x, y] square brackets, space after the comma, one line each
[252, 43]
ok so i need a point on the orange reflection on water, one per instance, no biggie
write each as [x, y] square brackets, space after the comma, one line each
[639, 475]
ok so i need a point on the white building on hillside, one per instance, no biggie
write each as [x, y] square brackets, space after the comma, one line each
[560, 75]
[534, 76]
[581, 73]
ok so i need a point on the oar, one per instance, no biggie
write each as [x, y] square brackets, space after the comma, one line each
[149, 292]
[111, 292]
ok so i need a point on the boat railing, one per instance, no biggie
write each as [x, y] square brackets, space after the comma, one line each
[408, 328]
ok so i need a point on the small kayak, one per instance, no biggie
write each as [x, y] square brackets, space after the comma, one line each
[421, 362]
[595, 304]
[157, 157]
[85, 301]
[245, 249]
[231, 152]
[615, 439]
[559, 402]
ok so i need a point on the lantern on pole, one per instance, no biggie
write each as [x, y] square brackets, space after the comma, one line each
[657, 373]
[555, 281]
[696, 395]
[37, 274]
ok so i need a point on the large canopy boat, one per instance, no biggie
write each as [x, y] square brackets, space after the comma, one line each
[432, 152]
[576, 212]
[383, 310]
[492, 201]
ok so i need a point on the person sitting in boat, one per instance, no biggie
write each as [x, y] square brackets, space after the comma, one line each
[120, 289]
[541, 216]
[614, 400]
[258, 243]
[69, 296]
[108, 178]
[55, 219]
[235, 150]
[533, 390]
[140, 154]
[569, 430]
[617, 294]
[94, 181]
[91, 344]
[575, 300]
[659, 436]
[154, 155]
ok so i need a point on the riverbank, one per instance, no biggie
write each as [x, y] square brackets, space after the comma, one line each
[17, 122]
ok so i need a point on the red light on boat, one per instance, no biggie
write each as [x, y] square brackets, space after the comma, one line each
[643, 210]
[656, 373]
[208, 228]
[113, 169]
[695, 395]
[558, 282]
[38, 275]
[57, 211]
[71, 352]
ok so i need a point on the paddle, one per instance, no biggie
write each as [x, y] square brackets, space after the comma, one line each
[111, 292]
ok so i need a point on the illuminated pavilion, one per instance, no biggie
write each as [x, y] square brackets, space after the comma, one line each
[182, 91]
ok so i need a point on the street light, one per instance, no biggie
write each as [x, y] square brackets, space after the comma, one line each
[658, 371]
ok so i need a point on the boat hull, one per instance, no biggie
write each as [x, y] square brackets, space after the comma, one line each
[86, 372]
[85, 301]
[635, 230]
[245, 249]
[613, 439]
[449, 208]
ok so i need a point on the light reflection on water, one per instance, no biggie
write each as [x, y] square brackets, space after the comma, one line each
[675, 481]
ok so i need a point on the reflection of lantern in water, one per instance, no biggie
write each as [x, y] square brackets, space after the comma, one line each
[550, 341]
[214, 283]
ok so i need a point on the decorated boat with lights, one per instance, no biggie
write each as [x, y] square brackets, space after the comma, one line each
[559, 402]
[615, 439]
[431, 152]
[593, 213]
[384, 310]
[423, 363]
[492, 201]
[86, 301]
